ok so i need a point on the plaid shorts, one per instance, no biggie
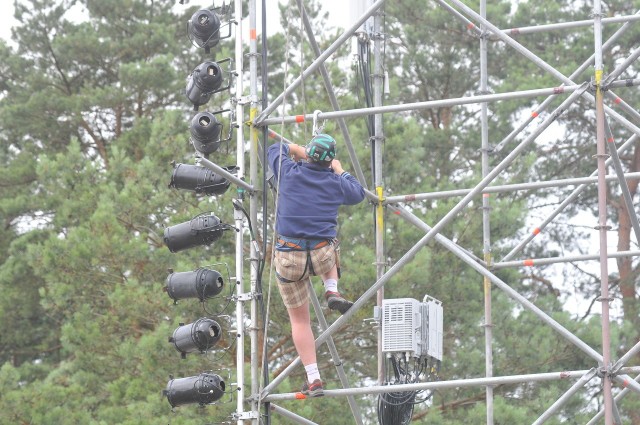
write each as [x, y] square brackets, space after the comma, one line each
[293, 272]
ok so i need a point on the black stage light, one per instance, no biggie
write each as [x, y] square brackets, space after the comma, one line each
[202, 389]
[201, 284]
[199, 179]
[204, 29]
[198, 336]
[205, 79]
[205, 133]
[203, 229]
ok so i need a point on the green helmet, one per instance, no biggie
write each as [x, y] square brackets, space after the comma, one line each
[321, 149]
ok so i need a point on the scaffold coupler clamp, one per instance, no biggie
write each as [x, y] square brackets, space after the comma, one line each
[593, 84]
[317, 128]
[242, 416]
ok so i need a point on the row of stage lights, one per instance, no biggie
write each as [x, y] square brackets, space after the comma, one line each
[205, 135]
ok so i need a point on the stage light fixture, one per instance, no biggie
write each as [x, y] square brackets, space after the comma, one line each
[202, 389]
[201, 283]
[204, 29]
[203, 81]
[199, 336]
[203, 229]
[199, 179]
[205, 133]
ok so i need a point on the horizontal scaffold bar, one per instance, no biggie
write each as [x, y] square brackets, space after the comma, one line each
[433, 104]
[503, 188]
[455, 383]
[568, 25]
[530, 262]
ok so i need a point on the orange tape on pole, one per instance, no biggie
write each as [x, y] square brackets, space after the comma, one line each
[299, 118]
[528, 262]
[536, 230]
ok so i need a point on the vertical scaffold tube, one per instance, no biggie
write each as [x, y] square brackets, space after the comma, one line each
[486, 216]
[602, 213]
[238, 214]
[377, 148]
[253, 207]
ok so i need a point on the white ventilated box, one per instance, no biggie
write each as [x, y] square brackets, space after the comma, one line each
[400, 325]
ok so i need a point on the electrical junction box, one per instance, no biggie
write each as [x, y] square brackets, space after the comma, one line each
[412, 327]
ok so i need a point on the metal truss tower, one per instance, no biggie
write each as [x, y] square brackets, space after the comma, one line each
[605, 368]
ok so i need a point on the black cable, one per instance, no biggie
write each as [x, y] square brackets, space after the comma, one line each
[396, 408]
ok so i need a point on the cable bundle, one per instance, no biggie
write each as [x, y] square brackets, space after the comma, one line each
[396, 408]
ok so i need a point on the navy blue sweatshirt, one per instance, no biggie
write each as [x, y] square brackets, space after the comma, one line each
[309, 196]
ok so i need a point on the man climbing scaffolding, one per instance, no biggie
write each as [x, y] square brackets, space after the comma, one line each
[311, 188]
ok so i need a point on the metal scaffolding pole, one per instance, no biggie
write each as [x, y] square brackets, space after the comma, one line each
[628, 356]
[344, 381]
[530, 262]
[504, 188]
[331, 93]
[378, 140]
[237, 180]
[254, 254]
[290, 415]
[566, 396]
[239, 218]
[616, 399]
[316, 63]
[621, 68]
[602, 214]
[624, 188]
[568, 25]
[443, 103]
[454, 383]
[486, 217]
[433, 104]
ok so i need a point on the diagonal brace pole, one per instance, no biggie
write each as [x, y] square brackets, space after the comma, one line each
[621, 68]
[616, 399]
[319, 61]
[624, 187]
[355, 409]
[332, 95]
[566, 396]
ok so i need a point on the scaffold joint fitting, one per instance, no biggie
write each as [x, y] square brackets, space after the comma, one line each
[245, 415]
[245, 297]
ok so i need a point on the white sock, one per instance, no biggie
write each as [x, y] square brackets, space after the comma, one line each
[331, 285]
[312, 372]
